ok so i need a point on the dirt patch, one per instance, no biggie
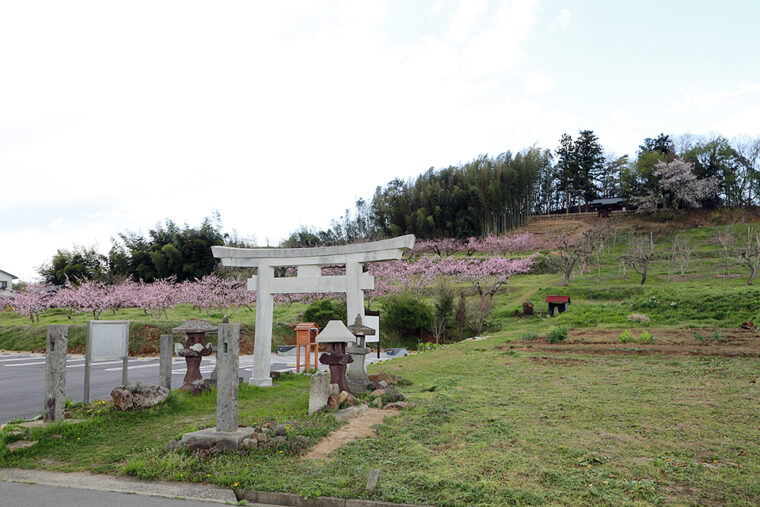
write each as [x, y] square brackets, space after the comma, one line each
[673, 342]
[359, 427]
[555, 361]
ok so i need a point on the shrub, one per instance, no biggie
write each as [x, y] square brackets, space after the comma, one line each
[717, 336]
[324, 310]
[544, 264]
[625, 337]
[405, 315]
[699, 337]
[528, 337]
[557, 335]
[645, 337]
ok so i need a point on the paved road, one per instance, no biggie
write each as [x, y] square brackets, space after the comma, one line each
[36, 495]
[22, 377]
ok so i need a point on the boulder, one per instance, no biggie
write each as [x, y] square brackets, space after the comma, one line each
[279, 430]
[261, 437]
[350, 400]
[138, 395]
[377, 393]
[343, 396]
[172, 445]
[638, 317]
[332, 402]
[250, 442]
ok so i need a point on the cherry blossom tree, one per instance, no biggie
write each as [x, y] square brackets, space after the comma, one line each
[32, 301]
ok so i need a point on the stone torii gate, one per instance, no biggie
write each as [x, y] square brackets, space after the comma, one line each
[309, 262]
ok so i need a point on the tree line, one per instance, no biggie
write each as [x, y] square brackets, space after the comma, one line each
[167, 251]
[492, 195]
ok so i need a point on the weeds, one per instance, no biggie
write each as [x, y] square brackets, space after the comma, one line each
[557, 335]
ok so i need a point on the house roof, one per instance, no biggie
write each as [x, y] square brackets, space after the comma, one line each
[6, 273]
[557, 299]
[605, 202]
[305, 326]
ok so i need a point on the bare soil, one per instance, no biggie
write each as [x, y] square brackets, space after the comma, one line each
[359, 427]
[673, 342]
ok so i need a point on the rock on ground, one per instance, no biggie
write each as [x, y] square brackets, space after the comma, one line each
[138, 395]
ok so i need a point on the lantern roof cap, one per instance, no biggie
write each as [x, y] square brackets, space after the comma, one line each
[195, 326]
[359, 329]
[335, 331]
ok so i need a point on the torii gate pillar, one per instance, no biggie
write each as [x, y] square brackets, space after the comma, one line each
[309, 262]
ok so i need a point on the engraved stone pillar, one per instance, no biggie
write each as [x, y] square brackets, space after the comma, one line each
[319, 391]
[227, 365]
[165, 362]
[55, 373]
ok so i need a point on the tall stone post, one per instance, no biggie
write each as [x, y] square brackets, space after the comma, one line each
[262, 345]
[55, 373]
[227, 364]
[354, 293]
[165, 362]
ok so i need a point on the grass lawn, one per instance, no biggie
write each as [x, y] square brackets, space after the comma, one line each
[493, 425]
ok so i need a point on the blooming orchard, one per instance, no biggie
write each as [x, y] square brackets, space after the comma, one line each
[486, 272]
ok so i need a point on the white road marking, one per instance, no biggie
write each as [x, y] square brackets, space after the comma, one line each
[23, 364]
[27, 358]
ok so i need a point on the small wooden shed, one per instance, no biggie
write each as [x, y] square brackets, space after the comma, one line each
[557, 304]
[306, 335]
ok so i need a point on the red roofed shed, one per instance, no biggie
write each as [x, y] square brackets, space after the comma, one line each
[557, 304]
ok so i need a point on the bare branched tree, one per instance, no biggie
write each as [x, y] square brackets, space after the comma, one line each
[569, 254]
[725, 239]
[640, 254]
[680, 252]
[748, 252]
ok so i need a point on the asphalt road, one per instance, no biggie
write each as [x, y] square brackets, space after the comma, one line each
[22, 378]
[36, 495]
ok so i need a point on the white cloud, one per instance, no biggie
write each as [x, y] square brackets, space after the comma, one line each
[730, 111]
[538, 82]
[561, 22]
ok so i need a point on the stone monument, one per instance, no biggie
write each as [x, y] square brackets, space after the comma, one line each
[226, 434]
[55, 373]
[193, 351]
[165, 361]
[336, 335]
[309, 263]
[357, 369]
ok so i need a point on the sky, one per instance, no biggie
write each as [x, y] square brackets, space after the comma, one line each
[115, 116]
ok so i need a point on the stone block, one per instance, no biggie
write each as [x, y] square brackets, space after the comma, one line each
[350, 412]
[319, 391]
[138, 394]
[209, 437]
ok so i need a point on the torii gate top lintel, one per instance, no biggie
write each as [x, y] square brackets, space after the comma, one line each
[385, 249]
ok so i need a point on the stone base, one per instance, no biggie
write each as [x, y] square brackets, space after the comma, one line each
[208, 438]
[261, 382]
[357, 386]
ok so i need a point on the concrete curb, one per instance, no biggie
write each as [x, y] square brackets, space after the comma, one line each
[292, 500]
[85, 480]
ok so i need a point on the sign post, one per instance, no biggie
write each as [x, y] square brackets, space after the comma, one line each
[106, 339]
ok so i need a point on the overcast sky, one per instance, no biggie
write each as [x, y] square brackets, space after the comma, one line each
[116, 115]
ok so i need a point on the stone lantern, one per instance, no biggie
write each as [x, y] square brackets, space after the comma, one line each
[336, 335]
[357, 372]
[193, 351]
